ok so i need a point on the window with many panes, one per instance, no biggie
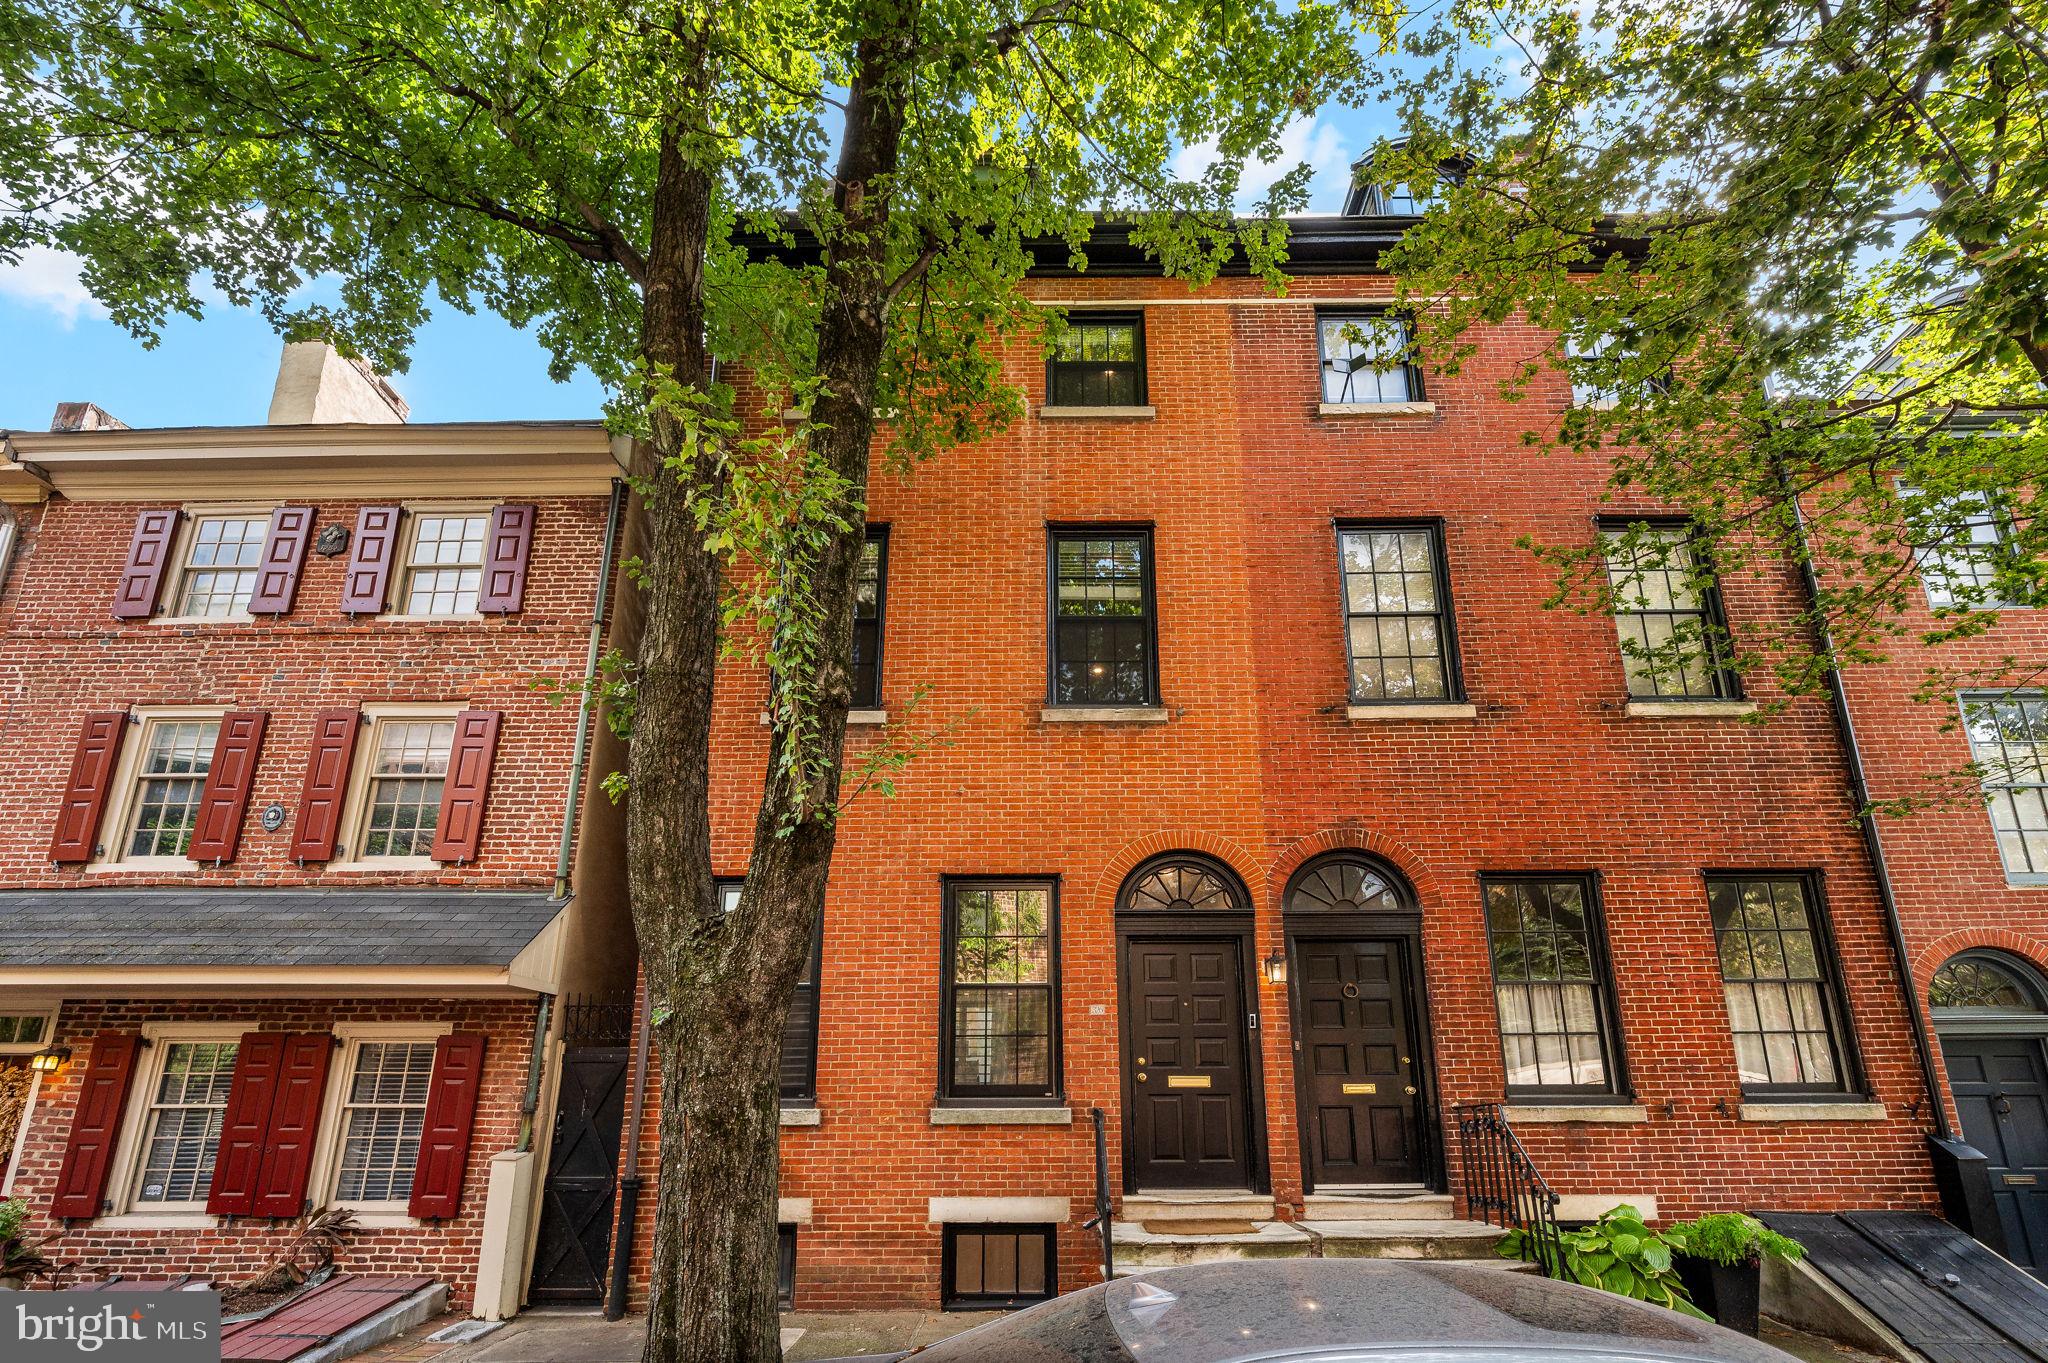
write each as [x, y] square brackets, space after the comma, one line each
[1594, 363]
[1667, 612]
[1098, 360]
[444, 563]
[999, 1032]
[799, 1069]
[2009, 744]
[1397, 617]
[1960, 566]
[383, 1109]
[170, 776]
[1102, 618]
[181, 1126]
[869, 600]
[1366, 359]
[994, 1265]
[1557, 1030]
[218, 572]
[407, 769]
[1784, 1008]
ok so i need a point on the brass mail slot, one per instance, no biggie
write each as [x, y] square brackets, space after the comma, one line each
[1187, 1081]
[2020, 1180]
[1361, 1088]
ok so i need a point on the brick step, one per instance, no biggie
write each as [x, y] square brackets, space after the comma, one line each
[1377, 1207]
[1139, 1247]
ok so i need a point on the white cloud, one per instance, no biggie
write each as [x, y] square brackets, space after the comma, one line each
[1313, 140]
[48, 278]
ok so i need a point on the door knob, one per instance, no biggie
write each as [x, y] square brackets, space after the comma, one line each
[1409, 1090]
[1141, 1076]
[1141, 1060]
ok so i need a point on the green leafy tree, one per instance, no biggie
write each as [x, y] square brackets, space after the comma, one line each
[841, 198]
[1795, 253]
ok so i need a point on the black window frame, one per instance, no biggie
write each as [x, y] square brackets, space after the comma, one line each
[1411, 369]
[1606, 1003]
[952, 1300]
[1115, 317]
[949, 1094]
[785, 1265]
[870, 697]
[808, 1096]
[1725, 682]
[1851, 1082]
[1055, 534]
[1446, 615]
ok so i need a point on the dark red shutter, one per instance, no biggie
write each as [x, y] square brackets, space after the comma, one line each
[505, 551]
[149, 552]
[217, 831]
[320, 799]
[444, 1133]
[461, 824]
[294, 1123]
[85, 793]
[246, 1124]
[95, 1125]
[369, 562]
[284, 551]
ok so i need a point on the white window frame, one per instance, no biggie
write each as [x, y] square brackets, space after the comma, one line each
[132, 1146]
[402, 565]
[189, 517]
[24, 1009]
[126, 792]
[355, 813]
[10, 534]
[48, 1012]
[327, 1149]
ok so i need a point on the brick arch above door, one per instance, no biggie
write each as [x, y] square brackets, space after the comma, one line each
[1421, 877]
[1937, 953]
[1128, 858]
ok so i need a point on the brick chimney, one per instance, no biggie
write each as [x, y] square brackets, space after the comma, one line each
[316, 383]
[84, 416]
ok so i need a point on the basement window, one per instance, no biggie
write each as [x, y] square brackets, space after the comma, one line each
[785, 1267]
[994, 1267]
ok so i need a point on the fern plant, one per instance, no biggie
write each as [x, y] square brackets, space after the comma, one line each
[1732, 1240]
[1618, 1253]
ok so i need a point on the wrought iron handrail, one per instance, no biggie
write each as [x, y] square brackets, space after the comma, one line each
[1502, 1185]
[1099, 1223]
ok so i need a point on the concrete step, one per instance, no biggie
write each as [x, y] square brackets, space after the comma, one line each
[1148, 1208]
[1431, 1238]
[1377, 1207]
[1139, 1247]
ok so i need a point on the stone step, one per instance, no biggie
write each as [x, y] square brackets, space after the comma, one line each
[1377, 1207]
[1394, 1239]
[1139, 1247]
[1151, 1208]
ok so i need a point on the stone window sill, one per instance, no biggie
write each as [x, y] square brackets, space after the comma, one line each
[1097, 413]
[1104, 714]
[1690, 709]
[1604, 1114]
[802, 1116]
[1398, 712]
[852, 717]
[1002, 1116]
[1828, 1111]
[156, 1221]
[1376, 409]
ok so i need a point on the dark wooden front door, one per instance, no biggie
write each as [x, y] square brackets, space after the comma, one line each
[2001, 1090]
[574, 1245]
[1185, 1055]
[1357, 1065]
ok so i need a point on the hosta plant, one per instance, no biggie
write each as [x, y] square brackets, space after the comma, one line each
[1617, 1253]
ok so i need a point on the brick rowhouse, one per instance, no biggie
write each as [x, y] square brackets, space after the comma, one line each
[333, 995]
[1256, 764]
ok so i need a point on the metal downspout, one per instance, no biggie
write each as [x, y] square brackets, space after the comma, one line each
[1866, 819]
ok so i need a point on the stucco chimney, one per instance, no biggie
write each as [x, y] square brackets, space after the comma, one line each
[85, 416]
[316, 383]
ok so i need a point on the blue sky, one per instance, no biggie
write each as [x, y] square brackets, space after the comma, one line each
[56, 344]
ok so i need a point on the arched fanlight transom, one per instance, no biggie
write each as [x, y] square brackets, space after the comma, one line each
[1182, 886]
[1982, 982]
[1343, 885]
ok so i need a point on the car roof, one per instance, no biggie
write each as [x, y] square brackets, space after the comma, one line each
[1239, 1311]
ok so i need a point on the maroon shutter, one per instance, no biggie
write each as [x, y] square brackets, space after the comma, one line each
[95, 1125]
[284, 551]
[217, 831]
[369, 562]
[505, 550]
[444, 1133]
[85, 794]
[246, 1124]
[461, 824]
[320, 799]
[149, 552]
[294, 1122]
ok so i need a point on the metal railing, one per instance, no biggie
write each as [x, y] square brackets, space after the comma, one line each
[1502, 1186]
[1100, 1223]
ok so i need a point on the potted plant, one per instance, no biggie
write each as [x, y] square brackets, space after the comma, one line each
[20, 1259]
[1721, 1258]
[1618, 1253]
